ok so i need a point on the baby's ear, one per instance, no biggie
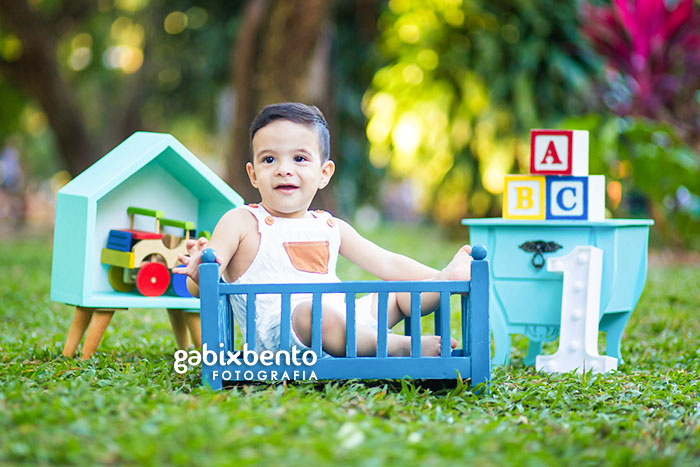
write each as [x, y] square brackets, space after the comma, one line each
[251, 174]
[327, 171]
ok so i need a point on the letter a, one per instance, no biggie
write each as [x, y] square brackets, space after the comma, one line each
[524, 194]
[551, 152]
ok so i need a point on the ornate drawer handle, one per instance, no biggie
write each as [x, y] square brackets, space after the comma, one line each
[538, 247]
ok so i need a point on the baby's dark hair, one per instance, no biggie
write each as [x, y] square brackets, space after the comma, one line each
[296, 112]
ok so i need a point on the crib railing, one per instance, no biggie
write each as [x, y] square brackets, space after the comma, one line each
[470, 361]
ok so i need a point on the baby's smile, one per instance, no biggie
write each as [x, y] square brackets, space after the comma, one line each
[286, 188]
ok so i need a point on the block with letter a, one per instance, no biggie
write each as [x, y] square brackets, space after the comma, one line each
[576, 198]
[559, 152]
[524, 197]
[580, 310]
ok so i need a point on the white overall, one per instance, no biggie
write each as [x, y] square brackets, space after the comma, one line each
[293, 250]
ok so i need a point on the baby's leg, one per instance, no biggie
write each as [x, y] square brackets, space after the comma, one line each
[332, 330]
[459, 269]
[333, 335]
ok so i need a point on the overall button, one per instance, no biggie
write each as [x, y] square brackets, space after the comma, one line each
[269, 220]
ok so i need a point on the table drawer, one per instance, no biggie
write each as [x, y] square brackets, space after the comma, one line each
[510, 260]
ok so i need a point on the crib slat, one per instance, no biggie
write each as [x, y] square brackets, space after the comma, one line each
[227, 324]
[382, 323]
[285, 322]
[444, 328]
[250, 321]
[316, 314]
[465, 339]
[415, 324]
[437, 315]
[350, 337]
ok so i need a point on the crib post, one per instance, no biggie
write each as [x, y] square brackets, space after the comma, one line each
[209, 305]
[478, 322]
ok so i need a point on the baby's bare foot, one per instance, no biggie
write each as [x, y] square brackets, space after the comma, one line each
[459, 268]
[430, 345]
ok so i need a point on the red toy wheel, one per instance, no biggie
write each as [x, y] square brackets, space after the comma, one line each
[153, 279]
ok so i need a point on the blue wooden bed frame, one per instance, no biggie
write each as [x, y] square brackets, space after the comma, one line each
[472, 361]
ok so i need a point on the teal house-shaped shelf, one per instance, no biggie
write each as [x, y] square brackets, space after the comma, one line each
[147, 170]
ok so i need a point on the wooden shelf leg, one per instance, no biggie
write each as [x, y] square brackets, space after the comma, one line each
[194, 325]
[98, 324]
[80, 322]
[177, 321]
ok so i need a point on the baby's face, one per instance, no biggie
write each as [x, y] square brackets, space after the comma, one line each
[287, 167]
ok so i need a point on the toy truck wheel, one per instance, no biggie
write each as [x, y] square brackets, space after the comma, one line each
[179, 284]
[116, 279]
[153, 279]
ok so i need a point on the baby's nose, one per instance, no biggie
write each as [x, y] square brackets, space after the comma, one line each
[284, 168]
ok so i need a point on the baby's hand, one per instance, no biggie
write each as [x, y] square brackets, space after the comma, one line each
[193, 259]
[459, 268]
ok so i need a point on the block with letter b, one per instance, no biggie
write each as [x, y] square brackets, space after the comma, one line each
[559, 152]
[576, 198]
[524, 197]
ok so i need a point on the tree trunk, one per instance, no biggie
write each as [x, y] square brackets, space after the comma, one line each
[36, 71]
[282, 54]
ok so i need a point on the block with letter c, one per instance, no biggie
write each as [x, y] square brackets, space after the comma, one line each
[576, 198]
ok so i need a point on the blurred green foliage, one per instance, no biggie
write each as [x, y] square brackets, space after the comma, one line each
[650, 172]
[147, 64]
[464, 82]
[439, 93]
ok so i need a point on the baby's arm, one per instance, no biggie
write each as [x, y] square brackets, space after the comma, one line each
[395, 267]
[225, 240]
[374, 259]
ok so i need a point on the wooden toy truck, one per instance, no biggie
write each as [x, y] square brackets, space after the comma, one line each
[143, 260]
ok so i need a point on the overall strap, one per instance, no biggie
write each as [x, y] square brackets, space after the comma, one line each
[261, 214]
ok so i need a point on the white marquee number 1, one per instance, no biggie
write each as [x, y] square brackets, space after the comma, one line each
[580, 311]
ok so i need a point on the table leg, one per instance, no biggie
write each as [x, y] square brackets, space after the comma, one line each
[177, 321]
[501, 338]
[98, 325]
[533, 350]
[80, 322]
[194, 325]
[613, 324]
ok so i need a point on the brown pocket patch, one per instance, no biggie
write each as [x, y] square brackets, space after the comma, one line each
[309, 256]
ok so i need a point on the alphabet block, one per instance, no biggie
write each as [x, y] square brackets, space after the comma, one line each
[580, 310]
[559, 152]
[578, 198]
[524, 197]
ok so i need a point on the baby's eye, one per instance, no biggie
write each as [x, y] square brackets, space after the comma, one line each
[299, 158]
[268, 160]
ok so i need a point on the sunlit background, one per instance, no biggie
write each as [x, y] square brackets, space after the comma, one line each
[430, 102]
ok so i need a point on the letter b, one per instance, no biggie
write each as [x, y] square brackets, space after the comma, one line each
[524, 197]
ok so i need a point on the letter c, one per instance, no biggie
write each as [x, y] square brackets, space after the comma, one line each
[560, 198]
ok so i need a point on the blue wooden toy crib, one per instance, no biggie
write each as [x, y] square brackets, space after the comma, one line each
[471, 361]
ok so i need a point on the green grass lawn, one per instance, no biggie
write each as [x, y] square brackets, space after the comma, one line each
[127, 405]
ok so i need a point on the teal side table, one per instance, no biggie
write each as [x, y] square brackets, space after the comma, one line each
[525, 298]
